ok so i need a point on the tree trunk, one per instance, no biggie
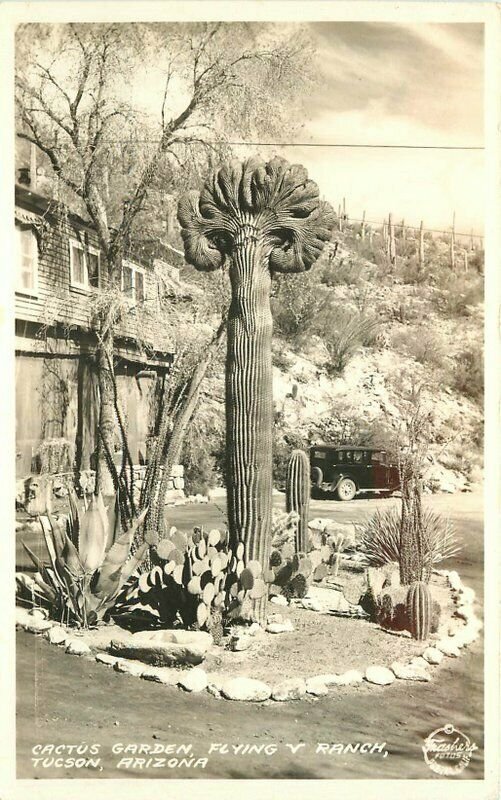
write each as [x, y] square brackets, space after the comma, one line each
[249, 404]
[107, 417]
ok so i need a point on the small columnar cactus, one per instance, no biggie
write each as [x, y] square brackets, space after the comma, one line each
[419, 609]
[297, 494]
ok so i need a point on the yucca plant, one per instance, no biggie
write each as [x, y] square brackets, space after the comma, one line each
[89, 562]
[381, 541]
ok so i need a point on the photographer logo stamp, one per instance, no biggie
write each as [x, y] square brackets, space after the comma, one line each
[447, 751]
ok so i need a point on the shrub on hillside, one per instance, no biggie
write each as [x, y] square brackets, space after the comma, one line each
[295, 306]
[343, 334]
[426, 346]
[459, 293]
[468, 374]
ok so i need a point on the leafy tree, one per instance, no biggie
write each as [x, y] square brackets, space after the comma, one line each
[121, 162]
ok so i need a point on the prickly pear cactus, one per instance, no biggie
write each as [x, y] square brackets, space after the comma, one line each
[419, 609]
[297, 494]
[258, 218]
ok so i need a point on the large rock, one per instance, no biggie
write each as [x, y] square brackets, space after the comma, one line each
[164, 648]
[246, 689]
[448, 648]
[379, 675]
[432, 655]
[194, 680]
[316, 687]
[105, 658]
[128, 667]
[349, 678]
[291, 689]
[280, 627]
[77, 648]
[408, 672]
[56, 635]
[169, 677]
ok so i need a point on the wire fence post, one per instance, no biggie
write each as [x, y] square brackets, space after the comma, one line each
[421, 246]
[392, 248]
[453, 243]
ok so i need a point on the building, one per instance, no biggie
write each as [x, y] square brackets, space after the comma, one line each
[59, 277]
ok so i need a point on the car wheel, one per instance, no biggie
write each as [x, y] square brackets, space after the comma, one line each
[346, 489]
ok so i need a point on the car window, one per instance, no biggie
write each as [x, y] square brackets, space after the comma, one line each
[376, 457]
[340, 456]
[348, 455]
[357, 456]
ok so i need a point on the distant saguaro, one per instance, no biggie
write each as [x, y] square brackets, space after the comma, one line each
[259, 218]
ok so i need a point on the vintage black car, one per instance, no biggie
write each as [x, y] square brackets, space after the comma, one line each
[346, 470]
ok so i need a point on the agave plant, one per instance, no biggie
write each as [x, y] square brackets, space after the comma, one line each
[381, 542]
[89, 562]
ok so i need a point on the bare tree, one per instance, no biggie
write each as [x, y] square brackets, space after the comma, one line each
[218, 81]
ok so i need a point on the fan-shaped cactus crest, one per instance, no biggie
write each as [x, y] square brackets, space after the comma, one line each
[258, 218]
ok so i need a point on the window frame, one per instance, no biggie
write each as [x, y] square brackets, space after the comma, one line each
[85, 250]
[22, 290]
[134, 268]
[95, 251]
[75, 243]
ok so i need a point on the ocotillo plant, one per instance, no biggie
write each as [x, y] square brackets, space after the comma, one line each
[297, 495]
[259, 218]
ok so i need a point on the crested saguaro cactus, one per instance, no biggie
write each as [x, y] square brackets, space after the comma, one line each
[297, 495]
[258, 218]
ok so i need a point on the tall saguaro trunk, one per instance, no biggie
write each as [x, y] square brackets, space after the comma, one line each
[249, 402]
[259, 219]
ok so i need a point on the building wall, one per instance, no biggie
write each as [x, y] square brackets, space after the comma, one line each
[56, 384]
[57, 397]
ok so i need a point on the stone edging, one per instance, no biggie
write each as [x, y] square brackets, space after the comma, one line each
[250, 689]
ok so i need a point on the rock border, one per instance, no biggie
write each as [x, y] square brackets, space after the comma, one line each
[464, 629]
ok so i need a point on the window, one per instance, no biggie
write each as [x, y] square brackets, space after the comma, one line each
[84, 266]
[377, 457]
[27, 261]
[133, 281]
[93, 267]
[357, 456]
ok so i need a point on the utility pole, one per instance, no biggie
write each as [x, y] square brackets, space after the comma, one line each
[362, 229]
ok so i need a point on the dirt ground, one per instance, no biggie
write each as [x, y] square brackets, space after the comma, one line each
[63, 700]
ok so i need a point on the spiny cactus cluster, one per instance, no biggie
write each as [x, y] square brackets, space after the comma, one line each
[292, 572]
[397, 607]
[200, 579]
[297, 494]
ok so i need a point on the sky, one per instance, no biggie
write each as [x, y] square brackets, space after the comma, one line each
[399, 84]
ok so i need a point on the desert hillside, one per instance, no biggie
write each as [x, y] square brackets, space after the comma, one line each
[359, 343]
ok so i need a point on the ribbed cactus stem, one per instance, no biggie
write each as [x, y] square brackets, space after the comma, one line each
[256, 218]
[249, 404]
[297, 495]
[419, 609]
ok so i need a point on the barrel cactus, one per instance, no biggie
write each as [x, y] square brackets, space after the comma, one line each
[297, 494]
[419, 609]
[257, 218]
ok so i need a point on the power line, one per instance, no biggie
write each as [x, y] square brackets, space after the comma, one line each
[305, 144]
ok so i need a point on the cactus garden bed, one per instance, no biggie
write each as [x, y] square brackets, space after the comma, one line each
[340, 650]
